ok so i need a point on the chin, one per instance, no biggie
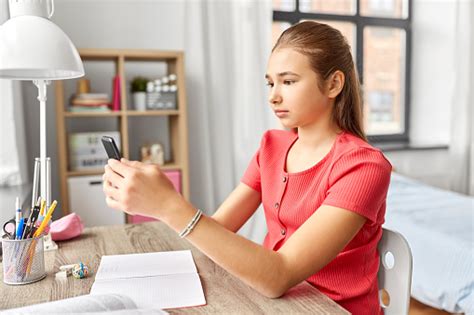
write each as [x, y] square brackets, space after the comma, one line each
[288, 125]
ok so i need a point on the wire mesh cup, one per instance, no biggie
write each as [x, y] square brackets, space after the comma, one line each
[23, 260]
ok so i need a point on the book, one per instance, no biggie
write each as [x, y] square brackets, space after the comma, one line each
[100, 108]
[116, 94]
[92, 96]
[96, 304]
[90, 101]
[162, 279]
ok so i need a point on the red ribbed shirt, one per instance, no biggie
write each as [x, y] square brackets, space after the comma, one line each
[354, 176]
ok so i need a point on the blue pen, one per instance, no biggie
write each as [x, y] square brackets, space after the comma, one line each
[17, 212]
[19, 230]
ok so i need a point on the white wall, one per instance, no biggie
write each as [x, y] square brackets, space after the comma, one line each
[432, 92]
[433, 71]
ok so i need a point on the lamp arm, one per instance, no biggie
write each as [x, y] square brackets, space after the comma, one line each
[42, 97]
[52, 9]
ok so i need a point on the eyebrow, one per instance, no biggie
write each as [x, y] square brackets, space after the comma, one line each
[282, 74]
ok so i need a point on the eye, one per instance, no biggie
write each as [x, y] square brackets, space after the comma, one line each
[269, 84]
[288, 82]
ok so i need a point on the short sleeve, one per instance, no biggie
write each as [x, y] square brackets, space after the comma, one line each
[252, 176]
[359, 182]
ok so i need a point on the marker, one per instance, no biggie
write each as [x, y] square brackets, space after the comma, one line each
[17, 213]
[19, 230]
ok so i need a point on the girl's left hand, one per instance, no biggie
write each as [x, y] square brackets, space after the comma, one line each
[138, 188]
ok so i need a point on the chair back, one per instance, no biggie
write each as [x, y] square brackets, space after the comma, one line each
[394, 276]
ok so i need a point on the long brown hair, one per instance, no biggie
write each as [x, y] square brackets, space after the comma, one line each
[328, 51]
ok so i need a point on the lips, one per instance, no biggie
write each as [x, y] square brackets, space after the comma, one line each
[281, 113]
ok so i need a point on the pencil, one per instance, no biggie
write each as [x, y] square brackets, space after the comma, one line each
[46, 219]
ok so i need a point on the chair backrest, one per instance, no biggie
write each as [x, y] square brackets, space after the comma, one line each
[394, 276]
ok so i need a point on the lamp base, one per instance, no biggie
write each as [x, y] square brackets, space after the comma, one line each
[48, 243]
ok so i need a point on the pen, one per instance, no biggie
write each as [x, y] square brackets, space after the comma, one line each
[33, 216]
[46, 219]
[19, 229]
[17, 214]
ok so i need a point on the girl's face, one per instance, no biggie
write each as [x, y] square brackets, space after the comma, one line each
[294, 95]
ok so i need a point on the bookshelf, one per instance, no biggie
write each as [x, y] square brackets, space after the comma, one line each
[171, 62]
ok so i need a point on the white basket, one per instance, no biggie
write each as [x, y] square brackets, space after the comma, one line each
[23, 261]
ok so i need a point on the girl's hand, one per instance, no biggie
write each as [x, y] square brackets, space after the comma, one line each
[138, 188]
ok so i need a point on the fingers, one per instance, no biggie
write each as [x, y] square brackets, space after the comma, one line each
[133, 164]
[116, 205]
[122, 169]
[111, 203]
[110, 191]
[113, 178]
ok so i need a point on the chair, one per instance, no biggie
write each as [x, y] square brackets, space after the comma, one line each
[394, 276]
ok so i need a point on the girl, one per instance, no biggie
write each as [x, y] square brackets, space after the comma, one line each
[323, 188]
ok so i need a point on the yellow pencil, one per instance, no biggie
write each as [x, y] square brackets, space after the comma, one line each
[46, 219]
[43, 205]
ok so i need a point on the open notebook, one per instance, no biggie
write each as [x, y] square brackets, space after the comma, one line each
[162, 279]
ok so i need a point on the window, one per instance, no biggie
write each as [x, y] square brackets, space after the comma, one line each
[379, 32]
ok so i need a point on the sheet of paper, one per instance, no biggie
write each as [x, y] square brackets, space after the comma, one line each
[145, 265]
[171, 291]
[97, 304]
[162, 279]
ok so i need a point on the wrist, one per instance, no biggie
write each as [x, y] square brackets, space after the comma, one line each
[176, 214]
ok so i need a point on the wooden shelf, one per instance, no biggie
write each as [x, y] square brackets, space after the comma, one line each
[85, 173]
[166, 167]
[91, 114]
[177, 124]
[152, 113]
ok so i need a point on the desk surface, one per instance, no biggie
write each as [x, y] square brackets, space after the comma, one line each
[224, 293]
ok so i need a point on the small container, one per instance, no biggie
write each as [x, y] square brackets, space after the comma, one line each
[23, 261]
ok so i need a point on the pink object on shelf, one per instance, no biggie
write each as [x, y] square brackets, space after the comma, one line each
[175, 177]
[116, 94]
[67, 227]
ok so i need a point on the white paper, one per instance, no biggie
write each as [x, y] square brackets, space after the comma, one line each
[170, 291]
[86, 304]
[162, 280]
[145, 265]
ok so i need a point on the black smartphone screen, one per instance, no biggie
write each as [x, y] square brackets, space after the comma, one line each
[111, 148]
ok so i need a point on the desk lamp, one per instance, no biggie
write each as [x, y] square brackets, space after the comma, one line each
[34, 48]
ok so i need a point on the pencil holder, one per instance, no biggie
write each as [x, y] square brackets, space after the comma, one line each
[23, 261]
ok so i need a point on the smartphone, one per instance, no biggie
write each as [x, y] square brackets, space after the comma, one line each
[111, 148]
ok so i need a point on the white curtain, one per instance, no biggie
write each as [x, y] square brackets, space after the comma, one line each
[227, 44]
[462, 132]
[12, 134]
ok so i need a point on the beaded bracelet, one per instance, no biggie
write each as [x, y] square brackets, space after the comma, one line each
[191, 224]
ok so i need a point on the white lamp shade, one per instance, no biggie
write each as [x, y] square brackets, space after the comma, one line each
[34, 48]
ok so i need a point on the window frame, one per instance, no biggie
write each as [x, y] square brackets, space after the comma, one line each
[361, 21]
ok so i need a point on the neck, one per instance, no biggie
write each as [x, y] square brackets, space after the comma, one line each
[320, 133]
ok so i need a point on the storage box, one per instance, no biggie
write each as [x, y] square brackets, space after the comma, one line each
[86, 151]
[175, 177]
[161, 100]
[87, 199]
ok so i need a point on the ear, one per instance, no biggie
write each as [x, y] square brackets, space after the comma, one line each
[335, 84]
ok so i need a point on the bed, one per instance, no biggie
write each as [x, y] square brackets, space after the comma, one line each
[438, 225]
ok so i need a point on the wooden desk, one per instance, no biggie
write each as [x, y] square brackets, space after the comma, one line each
[224, 293]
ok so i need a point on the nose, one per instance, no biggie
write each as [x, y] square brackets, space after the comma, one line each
[274, 97]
